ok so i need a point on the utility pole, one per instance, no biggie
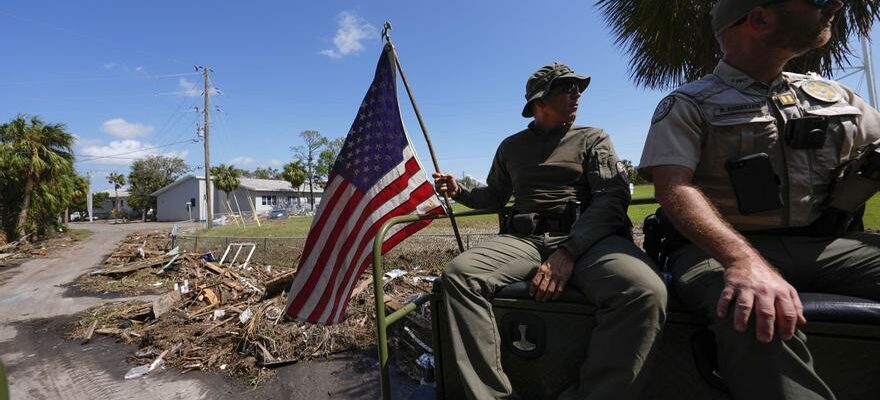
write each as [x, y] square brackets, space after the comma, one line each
[867, 59]
[89, 204]
[209, 192]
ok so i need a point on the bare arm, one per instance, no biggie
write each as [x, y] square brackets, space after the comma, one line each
[748, 277]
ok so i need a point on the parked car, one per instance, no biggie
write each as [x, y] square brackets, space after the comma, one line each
[277, 213]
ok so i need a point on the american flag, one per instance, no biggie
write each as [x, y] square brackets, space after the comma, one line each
[376, 177]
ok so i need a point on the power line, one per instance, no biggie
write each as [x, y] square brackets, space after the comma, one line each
[114, 78]
[116, 156]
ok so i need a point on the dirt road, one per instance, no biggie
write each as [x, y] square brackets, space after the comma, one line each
[35, 307]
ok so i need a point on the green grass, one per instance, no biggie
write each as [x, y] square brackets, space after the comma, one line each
[79, 234]
[299, 226]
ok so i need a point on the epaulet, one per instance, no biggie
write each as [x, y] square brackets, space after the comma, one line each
[702, 88]
[793, 77]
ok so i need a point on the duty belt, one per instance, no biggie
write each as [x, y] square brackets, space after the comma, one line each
[523, 223]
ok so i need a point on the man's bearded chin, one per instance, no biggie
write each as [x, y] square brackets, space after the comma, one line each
[791, 36]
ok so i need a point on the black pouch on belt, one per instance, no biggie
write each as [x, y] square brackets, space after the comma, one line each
[524, 223]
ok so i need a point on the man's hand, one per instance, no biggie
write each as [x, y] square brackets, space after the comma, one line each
[445, 183]
[757, 286]
[552, 276]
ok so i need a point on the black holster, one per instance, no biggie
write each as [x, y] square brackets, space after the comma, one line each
[661, 238]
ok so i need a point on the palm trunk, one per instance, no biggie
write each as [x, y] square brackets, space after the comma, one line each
[311, 194]
[25, 205]
[116, 192]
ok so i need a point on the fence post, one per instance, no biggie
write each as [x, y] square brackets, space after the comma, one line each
[227, 241]
[468, 240]
[196, 246]
[265, 250]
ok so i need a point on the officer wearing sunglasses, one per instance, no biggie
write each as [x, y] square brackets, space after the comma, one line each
[744, 163]
[568, 228]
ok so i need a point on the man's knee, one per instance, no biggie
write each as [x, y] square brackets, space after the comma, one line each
[460, 274]
[651, 293]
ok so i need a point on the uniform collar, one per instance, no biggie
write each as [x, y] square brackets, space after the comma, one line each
[558, 130]
[742, 81]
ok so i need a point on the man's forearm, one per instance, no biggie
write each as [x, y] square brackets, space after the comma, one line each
[698, 220]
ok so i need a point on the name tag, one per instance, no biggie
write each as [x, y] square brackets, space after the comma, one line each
[740, 108]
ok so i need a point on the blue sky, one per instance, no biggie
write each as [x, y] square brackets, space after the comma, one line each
[120, 74]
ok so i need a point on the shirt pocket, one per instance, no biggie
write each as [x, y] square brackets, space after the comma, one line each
[838, 139]
[735, 136]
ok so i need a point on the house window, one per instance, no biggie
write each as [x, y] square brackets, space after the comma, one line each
[269, 200]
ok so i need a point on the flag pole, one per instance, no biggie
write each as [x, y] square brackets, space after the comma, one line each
[386, 34]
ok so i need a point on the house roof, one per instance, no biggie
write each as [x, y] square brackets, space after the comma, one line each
[254, 185]
[112, 193]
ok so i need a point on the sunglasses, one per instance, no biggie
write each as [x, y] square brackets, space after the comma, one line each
[570, 87]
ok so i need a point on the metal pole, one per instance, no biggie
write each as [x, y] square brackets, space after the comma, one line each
[868, 61]
[386, 32]
[209, 199]
[89, 202]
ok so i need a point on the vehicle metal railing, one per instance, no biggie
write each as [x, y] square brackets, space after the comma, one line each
[383, 322]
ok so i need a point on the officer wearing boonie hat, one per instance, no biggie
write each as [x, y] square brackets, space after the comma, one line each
[540, 82]
[759, 237]
[568, 227]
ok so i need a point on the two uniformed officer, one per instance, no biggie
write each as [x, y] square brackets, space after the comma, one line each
[568, 227]
[745, 162]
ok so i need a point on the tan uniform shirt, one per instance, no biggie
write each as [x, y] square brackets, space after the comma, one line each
[543, 171]
[727, 115]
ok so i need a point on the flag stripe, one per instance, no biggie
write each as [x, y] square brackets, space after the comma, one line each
[332, 266]
[345, 226]
[362, 251]
[391, 241]
[314, 274]
[333, 190]
[327, 216]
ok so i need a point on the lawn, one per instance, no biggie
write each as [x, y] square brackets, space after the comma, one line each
[299, 226]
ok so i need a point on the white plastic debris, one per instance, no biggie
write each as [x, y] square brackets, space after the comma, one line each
[395, 273]
[219, 314]
[246, 316]
[184, 289]
[173, 252]
[156, 284]
[138, 372]
[223, 367]
[268, 268]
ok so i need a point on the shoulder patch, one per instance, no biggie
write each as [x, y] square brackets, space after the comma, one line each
[663, 109]
[821, 90]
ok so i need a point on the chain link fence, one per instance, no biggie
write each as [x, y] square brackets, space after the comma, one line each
[424, 250]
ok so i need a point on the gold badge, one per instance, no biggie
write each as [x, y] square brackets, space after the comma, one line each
[821, 91]
[786, 99]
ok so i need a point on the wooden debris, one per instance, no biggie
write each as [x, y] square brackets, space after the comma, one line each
[90, 332]
[278, 284]
[165, 303]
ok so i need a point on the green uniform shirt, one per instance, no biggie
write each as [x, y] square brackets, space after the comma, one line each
[543, 171]
[728, 115]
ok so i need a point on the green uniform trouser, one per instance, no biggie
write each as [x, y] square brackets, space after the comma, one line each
[780, 369]
[613, 274]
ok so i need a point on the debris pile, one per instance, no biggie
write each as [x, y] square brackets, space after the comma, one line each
[228, 316]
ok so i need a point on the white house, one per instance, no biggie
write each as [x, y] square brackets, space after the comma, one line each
[186, 199]
[103, 210]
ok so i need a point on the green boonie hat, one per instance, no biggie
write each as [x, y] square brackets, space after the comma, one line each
[727, 12]
[539, 83]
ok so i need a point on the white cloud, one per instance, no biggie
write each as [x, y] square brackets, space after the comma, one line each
[138, 69]
[110, 66]
[189, 88]
[124, 129]
[351, 32]
[123, 152]
[241, 161]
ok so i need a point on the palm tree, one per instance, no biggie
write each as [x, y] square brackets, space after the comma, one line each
[676, 45]
[118, 181]
[226, 178]
[295, 173]
[34, 152]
